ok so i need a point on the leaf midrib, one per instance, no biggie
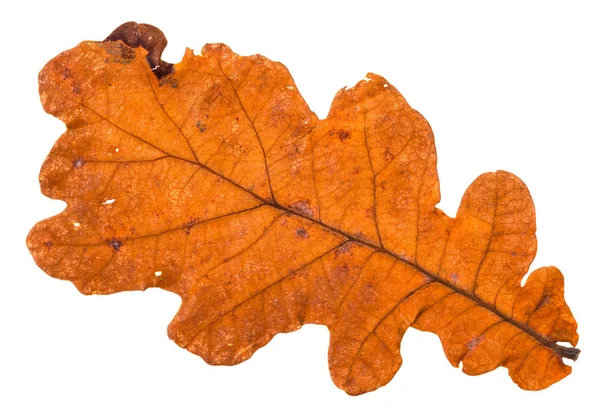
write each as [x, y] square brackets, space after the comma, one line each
[563, 351]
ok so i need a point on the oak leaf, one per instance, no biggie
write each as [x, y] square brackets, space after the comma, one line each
[212, 179]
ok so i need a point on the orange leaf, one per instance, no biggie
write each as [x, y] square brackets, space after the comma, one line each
[212, 179]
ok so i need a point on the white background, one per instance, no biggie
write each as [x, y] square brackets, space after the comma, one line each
[513, 86]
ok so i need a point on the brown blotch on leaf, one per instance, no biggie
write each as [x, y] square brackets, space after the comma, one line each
[388, 155]
[303, 207]
[302, 233]
[148, 37]
[115, 244]
[201, 127]
[170, 81]
[121, 53]
[66, 73]
[343, 135]
[187, 227]
[342, 250]
[473, 343]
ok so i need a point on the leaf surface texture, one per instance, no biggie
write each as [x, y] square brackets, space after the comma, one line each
[217, 182]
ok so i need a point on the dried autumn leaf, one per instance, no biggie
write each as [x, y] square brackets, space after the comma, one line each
[212, 179]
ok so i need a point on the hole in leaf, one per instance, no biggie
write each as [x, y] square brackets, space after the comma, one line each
[108, 201]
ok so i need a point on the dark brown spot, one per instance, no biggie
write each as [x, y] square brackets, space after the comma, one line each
[115, 244]
[189, 225]
[66, 73]
[48, 244]
[388, 155]
[76, 88]
[120, 53]
[127, 54]
[343, 135]
[302, 233]
[201, 127]
[172, 82]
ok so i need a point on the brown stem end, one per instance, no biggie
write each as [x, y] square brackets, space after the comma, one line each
[571, 353]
